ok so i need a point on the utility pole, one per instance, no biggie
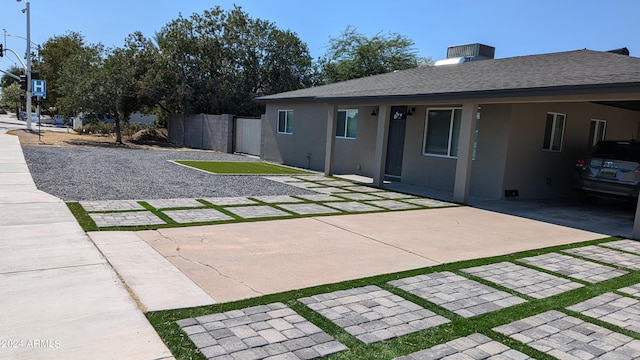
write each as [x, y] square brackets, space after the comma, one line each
[28, 64]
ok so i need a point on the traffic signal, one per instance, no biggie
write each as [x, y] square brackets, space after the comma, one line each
[1, 50]
[23, 82]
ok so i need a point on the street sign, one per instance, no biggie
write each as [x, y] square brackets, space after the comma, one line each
[39, 88]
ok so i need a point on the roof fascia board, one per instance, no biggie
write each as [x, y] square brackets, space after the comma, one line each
[616, 92]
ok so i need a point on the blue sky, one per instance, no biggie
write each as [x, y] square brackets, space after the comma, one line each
[514, 27]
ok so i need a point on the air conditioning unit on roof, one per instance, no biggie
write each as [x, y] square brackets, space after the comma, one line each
[471, 52]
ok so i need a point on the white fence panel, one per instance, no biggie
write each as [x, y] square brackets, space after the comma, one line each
[248, 135]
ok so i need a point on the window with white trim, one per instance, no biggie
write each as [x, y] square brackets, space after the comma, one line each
[554, 132]
[285, 121]
[597, 130]
[347, 124]
[442, 132]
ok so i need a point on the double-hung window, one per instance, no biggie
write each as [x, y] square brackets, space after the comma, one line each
[347, 124]
[554, 132]
[597, 130]
[285, 121]
[442, 132]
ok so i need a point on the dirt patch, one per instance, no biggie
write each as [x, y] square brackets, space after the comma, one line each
[144, 139]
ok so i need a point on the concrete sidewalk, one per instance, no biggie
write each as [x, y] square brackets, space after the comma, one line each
[60, 298]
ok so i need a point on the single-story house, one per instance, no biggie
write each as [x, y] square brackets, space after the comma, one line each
[490, 129]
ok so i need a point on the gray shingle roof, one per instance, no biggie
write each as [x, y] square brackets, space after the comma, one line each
[572, 72]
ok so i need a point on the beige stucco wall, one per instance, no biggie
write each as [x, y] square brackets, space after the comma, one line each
[429, 171]
[439, 172]
[306, 146]
[509, 153]
[543, 174]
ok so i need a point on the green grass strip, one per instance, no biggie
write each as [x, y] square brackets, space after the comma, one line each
[242, 167]
[85, 221]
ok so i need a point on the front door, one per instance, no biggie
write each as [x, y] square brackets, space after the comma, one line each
[395, 143]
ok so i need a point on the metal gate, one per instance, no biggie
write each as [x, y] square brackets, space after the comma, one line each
[248, 136]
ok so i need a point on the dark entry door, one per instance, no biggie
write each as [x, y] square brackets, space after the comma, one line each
[395, 144]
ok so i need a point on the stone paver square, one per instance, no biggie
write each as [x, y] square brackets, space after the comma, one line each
[259, 332]
[624, 245]
[393, 204]
[275, 199]
[612, 308]
[258, 211]
[174, 203]
[336, 183]
[567, 337]
[575, 268]
[328, 190]
[430, 202]
[352, 206]
[456, 293]
[314, 177]
[372, 314]
[320, 197]
[474, 346]
[226, 201]
[133, 218]
[607, 256]
[111, 205]
[362, 188]
[522, 279]
[393, 195]
[282, 179]
[309, 209]
[358, 196]
[307, 185]
[196, 215]
[633, 290]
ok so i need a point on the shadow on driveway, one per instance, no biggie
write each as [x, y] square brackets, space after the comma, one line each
[611, 218]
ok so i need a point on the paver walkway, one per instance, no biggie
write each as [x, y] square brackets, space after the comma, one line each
[523, 280]
[615, 309]
[371, 314]
[575, 268]
[458, 294]
[334, 197]
[266, 331]
[566, 337]
[474, 346]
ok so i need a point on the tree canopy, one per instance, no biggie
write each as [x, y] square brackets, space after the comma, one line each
[354, 55]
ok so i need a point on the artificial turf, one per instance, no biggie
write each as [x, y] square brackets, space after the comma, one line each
[242, 167]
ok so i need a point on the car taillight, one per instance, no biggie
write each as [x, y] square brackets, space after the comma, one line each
[581, 163]
[637, 170]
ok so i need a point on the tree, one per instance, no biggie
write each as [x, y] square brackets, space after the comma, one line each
[53, 55]
[79, 81]
[7, 80]
[11, 95]
[219, 61]
[353, 55]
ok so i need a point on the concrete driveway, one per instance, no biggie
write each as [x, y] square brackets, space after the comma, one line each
[237, 261]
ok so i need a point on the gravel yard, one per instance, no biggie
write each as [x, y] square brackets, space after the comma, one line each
[103, 173]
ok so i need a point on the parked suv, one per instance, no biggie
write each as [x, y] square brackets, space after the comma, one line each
[611, 170]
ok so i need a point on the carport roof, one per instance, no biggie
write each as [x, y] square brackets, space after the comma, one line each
[580, 72]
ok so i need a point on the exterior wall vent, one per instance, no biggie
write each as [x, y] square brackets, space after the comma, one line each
[471, 52]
